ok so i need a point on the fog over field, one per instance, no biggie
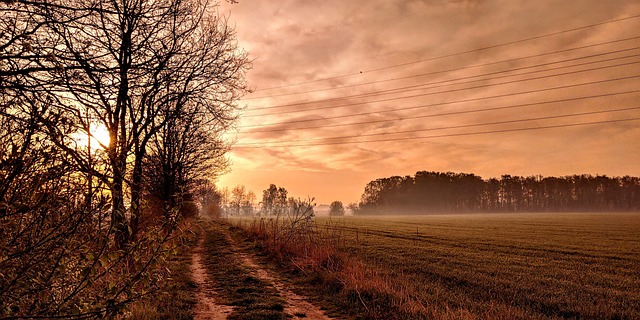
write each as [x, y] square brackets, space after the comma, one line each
[319, 159]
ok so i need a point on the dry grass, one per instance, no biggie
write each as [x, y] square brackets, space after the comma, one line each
[478, 266]
[251, 297]
[506, 266]
[177, 298]
[349, 287]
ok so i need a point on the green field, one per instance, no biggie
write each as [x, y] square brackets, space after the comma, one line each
[560, 265]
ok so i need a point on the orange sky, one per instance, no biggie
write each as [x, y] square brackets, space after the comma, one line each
[423, 79]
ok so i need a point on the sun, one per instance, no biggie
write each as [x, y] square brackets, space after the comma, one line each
[99, 137]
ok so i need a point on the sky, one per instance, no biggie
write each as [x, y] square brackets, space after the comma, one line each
[345, 92]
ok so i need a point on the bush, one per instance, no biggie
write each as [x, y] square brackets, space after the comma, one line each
[189, 209]
[212, 210]
[354, 208]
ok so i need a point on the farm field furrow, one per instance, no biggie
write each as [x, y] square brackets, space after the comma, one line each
[564, 265]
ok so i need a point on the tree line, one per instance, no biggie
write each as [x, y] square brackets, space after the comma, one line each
[84, 220]
[433, 192]
[275, 201]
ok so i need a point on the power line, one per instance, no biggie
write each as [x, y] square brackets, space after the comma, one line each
[450, 82]
[443, 91]
[445, 113]
[447, 135]
[455, 54]
[449, 127]
[445, 103]
[443, 71]
[441, 83]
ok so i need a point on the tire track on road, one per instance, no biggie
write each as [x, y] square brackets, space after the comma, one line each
[207, 307]
[297, 306]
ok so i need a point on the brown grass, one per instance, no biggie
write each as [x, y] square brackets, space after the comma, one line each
[251, 297]
[348, 284]
[509, 266]
[523, 266]
[177, 298]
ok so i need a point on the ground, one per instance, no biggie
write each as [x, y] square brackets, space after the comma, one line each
[234, 284]
[473, 266]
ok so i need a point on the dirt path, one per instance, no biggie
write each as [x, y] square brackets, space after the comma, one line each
[297, 305]
[206, 308]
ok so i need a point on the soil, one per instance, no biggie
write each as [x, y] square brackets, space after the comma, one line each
[297, 305]
[209, 300]
[207, 307]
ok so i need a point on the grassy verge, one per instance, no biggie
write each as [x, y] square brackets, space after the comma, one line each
[523, 266]
[251, 297]
[177, 299]
[320, 290]
[342, 285]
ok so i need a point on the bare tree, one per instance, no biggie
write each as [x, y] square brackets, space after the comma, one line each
[56, 257]
[336, 209]
[238, 198]
[209, 198]
[184, 151]
[249, 203]
[149, 72]
[132, 67]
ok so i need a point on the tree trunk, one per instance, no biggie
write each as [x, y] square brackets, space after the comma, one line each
[136, 194]
[118, 221]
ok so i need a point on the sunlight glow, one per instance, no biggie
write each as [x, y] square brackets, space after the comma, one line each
[99, 137]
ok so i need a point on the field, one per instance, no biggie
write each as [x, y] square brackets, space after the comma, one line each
[560, 265]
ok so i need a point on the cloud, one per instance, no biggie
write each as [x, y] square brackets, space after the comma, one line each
[472, 58]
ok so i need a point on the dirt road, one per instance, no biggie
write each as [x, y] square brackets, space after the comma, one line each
[229, 275]
[208, 306]
[297, 306]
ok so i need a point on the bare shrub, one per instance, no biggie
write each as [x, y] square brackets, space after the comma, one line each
[189, 209]
[57, 253]
[212, 210]
[295, 239]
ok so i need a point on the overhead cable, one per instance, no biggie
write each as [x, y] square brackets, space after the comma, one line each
[441, 71]
[513, 106]
[445, 135]
[455, 54]
[446, 102]
[445, 128]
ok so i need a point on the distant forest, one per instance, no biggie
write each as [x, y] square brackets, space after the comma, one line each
[431, 192]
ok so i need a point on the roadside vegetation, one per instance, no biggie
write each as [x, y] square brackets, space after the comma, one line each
[344, 285]
[251, 297]
[176, 300]
[112, 115]
[476, 266]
